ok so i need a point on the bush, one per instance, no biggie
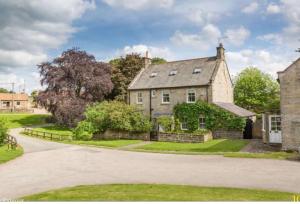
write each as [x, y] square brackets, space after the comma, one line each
[3, 131]
[165, 122]
[215, 117]
[83, 131]
[112, 115]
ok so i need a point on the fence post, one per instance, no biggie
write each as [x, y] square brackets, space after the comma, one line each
[44, 134]
[51, 136]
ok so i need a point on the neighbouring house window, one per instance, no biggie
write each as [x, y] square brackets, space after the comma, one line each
[183, 125]
[153, 93]
[165, 97]
[191, 96]
[6, 104]
[18, 103]
[139, 97]
[202, 122]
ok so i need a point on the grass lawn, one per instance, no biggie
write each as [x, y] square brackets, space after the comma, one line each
[6, 155]
[269, 155]
[105, 143]
[20, 120]
[55, 129]
[218, 145]
[151, 192]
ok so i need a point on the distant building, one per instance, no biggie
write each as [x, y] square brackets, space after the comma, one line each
[13, 101]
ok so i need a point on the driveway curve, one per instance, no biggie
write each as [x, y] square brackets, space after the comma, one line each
[49, 165]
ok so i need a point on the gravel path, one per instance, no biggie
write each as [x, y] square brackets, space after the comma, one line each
[49, 165]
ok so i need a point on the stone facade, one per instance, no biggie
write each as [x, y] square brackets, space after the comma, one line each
[290, 106]
[222, 89]
[227, 134]
[112, 135]
[184, 137]
[177, 95]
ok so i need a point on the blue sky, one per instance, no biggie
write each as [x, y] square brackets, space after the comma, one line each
[261, 33]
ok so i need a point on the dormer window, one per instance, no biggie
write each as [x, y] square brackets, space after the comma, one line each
[197, 70]
[173, 72]
[153, 74]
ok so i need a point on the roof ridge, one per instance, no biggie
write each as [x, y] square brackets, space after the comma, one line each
[183, 60]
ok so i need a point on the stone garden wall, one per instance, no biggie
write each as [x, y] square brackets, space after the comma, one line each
[227, 134]
[111, 135]
[184, 137]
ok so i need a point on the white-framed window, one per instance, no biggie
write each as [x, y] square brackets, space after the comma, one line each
[202, 122]
[18, 103]
[183, 125]
[139, 98]
[153, 93]
[191, 96]
[165, 97]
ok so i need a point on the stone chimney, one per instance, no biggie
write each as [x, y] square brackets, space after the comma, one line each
[147, 60]
[221, 52]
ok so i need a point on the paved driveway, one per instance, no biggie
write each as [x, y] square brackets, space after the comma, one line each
[48, 165]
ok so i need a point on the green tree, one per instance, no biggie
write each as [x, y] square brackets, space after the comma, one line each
[34, 95]
[157, 60]
[124, 70]
[3, 90]
[256, 91]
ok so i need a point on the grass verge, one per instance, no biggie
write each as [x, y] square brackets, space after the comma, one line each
[105, 143]
[218, 145]
[156, 192]
[268, 155]
[21, 120]
[6, 155]
[55, 129]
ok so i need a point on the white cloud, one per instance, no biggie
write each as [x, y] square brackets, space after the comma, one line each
[29, 28]
[153, 51]
[139, 4]
[251, 8]
[237, 36]
[273, 8]
[204, 40]
[271, 37]
[263, 59]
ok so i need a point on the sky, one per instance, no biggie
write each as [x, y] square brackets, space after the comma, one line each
[261, 33]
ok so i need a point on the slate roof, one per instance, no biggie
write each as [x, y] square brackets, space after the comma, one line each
[183, 78]
[16, 97]
[235, 109]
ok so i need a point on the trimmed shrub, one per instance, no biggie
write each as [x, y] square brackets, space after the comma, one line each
[112, 115]
[3, 131]
[83, 131]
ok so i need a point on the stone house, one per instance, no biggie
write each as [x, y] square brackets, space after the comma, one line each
[158, 88]
[289, 80]
[16, 101]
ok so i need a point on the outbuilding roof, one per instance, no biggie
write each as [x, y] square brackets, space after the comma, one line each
[235, 109]
[16, 97]
[193, 72]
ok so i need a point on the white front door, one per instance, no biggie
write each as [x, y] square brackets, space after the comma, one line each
[275, 129]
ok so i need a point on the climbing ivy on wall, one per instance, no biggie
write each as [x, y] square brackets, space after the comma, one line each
[215, 117]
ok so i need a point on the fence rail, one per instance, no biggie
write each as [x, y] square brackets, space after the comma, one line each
[47, 135]
[11, 142]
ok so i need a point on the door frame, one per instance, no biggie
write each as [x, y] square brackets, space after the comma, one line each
[277, 133]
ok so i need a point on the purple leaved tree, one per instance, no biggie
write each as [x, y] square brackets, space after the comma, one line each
[73, 81]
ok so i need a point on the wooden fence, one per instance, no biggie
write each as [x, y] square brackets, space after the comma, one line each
[11, 142]
[47, 135]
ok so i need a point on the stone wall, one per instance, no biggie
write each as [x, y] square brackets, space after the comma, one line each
[184, 137]
[227, 134]
[113, 135]
[290, 106]
[257, 129]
